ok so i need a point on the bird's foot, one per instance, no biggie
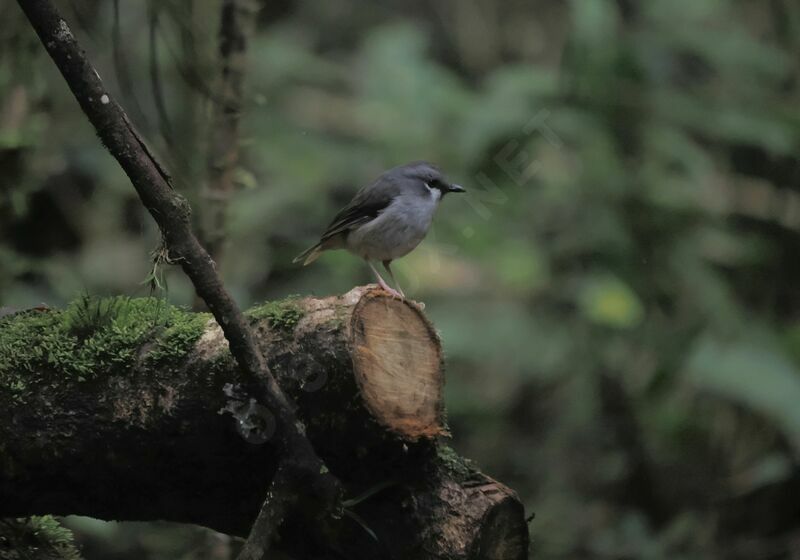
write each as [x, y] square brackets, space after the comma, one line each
[395, 294]
[392, 292]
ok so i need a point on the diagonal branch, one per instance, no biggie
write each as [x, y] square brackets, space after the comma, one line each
[271, 515]
[171, 212]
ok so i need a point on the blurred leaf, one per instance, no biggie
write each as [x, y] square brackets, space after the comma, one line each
[752, 371]
[594, 22]
[772, 469]
[608, 301]
[521, 267]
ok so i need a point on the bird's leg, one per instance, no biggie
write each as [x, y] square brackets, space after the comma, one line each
[383, 283]
[391, 275]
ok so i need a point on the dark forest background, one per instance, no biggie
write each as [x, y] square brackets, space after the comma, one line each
[618, 295]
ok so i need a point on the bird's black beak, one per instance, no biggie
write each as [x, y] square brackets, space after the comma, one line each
[456, 188]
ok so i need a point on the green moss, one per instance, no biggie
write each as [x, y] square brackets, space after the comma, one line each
[458, 466]
[221, 364]
[282, 315]
[92, 336]
[36, 537]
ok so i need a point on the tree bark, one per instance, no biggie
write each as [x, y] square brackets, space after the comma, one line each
[183, 440]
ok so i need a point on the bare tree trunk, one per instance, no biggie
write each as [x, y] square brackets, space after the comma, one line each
[237, 23]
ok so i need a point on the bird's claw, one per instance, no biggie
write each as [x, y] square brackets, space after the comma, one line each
[392, 292]
[395, 294]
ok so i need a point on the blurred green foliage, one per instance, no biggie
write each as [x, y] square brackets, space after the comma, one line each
[617, 294]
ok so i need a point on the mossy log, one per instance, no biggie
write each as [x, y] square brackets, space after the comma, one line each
[135, 410]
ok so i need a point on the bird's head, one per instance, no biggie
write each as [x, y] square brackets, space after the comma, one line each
[431, 176]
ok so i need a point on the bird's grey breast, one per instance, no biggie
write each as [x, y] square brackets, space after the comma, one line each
[399, 228]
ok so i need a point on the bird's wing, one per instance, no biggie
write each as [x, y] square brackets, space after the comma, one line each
[365, 207]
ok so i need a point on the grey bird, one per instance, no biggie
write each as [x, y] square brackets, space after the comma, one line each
[387, 219]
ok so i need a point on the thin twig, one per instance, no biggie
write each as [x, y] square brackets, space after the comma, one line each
[271, 515]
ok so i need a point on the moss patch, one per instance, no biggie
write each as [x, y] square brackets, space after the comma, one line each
[459, 467]
[92, 336]
[282, 315]
[36, 537]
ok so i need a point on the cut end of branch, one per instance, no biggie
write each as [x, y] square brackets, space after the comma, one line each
[397, 359]
[503, 534]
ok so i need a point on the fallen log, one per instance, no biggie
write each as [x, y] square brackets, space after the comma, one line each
[135, 410]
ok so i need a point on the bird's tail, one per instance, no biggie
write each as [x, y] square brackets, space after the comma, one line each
[309, 255]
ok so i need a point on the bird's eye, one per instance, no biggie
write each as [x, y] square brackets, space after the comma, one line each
[429, 186]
